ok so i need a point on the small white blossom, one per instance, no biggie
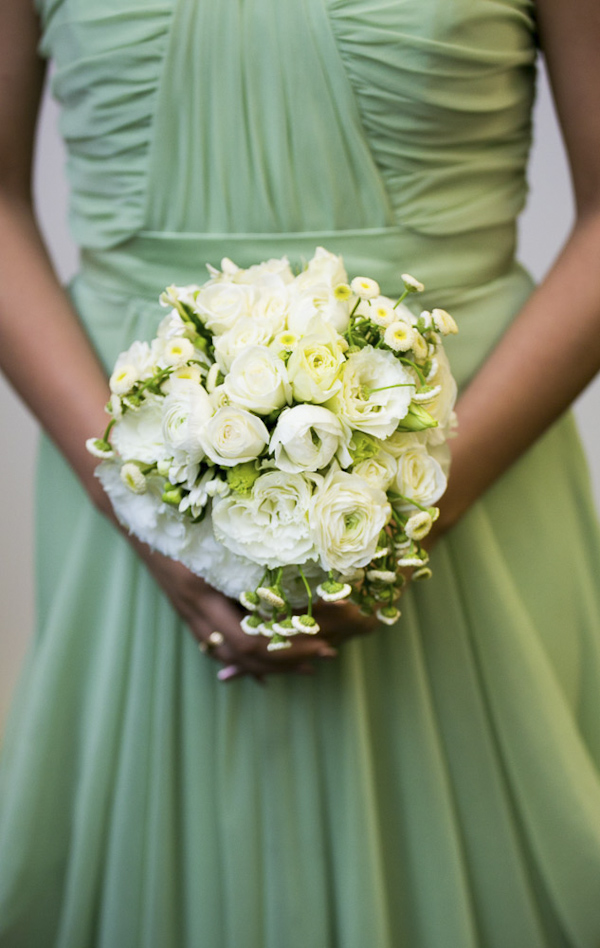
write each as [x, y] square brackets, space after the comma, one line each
[251, 625]
[423, 573]
[365, 288]
[306, 624]
[412, 285]
[381, 576]
[418, 526]
[270, 595]
[133, 478]
[99, 448]
[423, 398]
[444, 322]
[278, 644]
[334, 592]
[412, 561]
[399, 336]
[388, 615]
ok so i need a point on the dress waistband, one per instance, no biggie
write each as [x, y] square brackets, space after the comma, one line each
[151, 260]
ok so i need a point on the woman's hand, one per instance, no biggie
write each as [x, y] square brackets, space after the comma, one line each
[205, 611]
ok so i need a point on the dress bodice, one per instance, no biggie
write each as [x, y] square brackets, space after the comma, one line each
[269, 116]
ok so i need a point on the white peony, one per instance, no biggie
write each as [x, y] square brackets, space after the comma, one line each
[233, 436]
[347, 515]
[375, 393]
[186, 409]
[270, 526]
[420, 477]
[306, 438]
[315, 364]
[138, 435]
[258, 381]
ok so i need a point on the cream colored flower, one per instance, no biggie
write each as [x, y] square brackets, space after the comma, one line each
[258, 381]
[412, 284]
[133, 365]
[185, 410]
[306, 438]
[221, 305]
[270, 526]
[420, 477]
[246, 332]
[444, 322]
[346, 517]
[399, 336]
[233, 436]
[365, 288]
[133, 478]
[314, 365]
[375, 393]
[379, 471]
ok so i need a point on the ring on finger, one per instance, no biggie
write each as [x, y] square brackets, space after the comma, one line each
[214, 640]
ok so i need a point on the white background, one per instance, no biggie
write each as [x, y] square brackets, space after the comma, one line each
[543, 228]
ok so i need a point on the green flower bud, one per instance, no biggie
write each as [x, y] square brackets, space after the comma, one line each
[241, 477]
[362, 446]
[417, 419]
[172, 494]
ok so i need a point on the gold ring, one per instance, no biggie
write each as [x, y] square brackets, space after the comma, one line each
[214, 640]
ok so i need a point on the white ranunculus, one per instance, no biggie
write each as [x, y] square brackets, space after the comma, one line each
[318, 300]
[315, 364]
[273, 274]
[324, 268]
[306, 438]
[233, 435]
[172, 326]
[220, 305]
[133, 365]
[378, 471]
[442, 405]
[247, 331]
[138, 435]
[420, 477]
[271, 307]
[375, 392]
[347, 515]
[186, 409]
[270, 526]
[258, 381]
[399, 441]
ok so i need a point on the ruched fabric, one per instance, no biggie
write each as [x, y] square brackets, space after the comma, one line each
[438, 784]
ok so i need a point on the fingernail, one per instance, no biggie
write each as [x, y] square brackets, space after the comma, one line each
[231, 671]
[327, 652]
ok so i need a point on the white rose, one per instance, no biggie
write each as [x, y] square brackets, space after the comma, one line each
[233, 436]
[271, 307]
[258, 381]
[320, 301]
[220, 305]
[306, 438]
[133, 365]
[379, 471]
[138, 435]
[246, 332]
[324, 268]
[315, 364]
[270, 526]
[375, 393]
[420, 477]
[186, 409]
[347, 515]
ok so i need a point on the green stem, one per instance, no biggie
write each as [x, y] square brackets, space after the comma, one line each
[109, 428]
[401, 299]
[384, 388]
[308, 591]
[415, 367]
[408, 500]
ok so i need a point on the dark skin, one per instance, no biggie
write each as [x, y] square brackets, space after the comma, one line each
[496, 423]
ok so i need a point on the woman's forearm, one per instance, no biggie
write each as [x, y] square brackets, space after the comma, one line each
[545, 359]
[44, 351]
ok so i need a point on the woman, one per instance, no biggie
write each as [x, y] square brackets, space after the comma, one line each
[434, 786]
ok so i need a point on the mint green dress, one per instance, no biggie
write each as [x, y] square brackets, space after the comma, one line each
[438, 785]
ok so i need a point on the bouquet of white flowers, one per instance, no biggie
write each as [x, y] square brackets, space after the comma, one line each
[284, 435]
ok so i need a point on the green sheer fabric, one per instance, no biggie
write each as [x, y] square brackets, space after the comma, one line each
[438, 785]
